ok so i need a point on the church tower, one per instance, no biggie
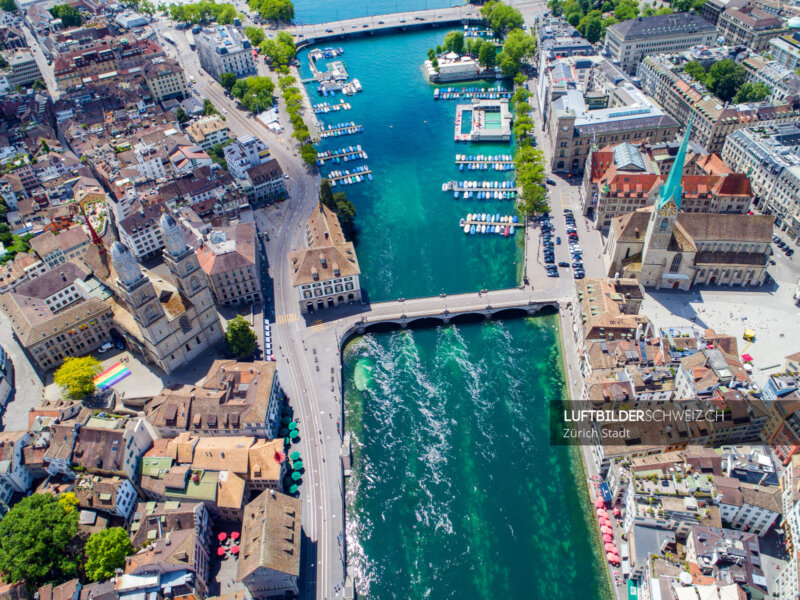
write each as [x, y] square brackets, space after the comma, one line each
[136, 291]
[662, 220]
[183, 264]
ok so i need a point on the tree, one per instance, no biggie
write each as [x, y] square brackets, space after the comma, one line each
[308, 154]
[181, 115]
[278, 11]
[607, 7]
[752, 92]
[106, 551]
[240, 337]
[69, 15]
[68, 501]
[35, 537]
[594, 30]
[209, 108]
[227, 80]
[454, 42]
[45, 146]
[255, 35]
[696, 71]
[8, 5]
[39, 85]
[574, 18]
[486, 57]
[347, 215]
[431, 54]
[76, 375]
[508, 66]
[725, 78]
[626, 9]
[556, 7]
[518, 45]
[502, 18]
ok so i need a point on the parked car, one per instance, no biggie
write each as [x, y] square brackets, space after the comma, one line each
[563, 264]
[550, 181]
[105, 348]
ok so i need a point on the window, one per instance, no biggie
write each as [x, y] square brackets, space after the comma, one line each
[676, 263]
[664, 223]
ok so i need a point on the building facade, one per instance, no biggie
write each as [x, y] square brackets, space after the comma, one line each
[230, 259]
[165, 79]
[325, 273]
[771, 156]
[221, 49]
[664, 247]
[175, 322]
[246, 152]
[662, 78]
[749, 26]
[628, 42]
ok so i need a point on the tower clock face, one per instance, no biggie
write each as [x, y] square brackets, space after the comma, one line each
[669, 209]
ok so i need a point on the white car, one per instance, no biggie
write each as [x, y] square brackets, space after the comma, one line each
[105, 348]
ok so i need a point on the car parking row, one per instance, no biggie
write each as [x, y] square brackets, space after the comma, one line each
[785, 248]
[548, 246]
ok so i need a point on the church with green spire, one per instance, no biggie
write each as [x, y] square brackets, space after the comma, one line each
[665, 248]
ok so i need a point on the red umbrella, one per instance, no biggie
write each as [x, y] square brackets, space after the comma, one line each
[234, 535]
[598, 503]
[615, 558]
[600, 511]
[616, 512]
[607, 537]
[222, 536]
[609, 547]
[234, 549]
[220, 551]
[604, 520]
[614, 549]
[606, 529]
[611, 557]
[747, 358]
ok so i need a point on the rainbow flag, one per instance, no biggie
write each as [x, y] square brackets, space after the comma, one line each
[111, 376]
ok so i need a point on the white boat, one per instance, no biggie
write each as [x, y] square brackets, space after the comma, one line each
[357, 85]
[444, 187]
[466, 228]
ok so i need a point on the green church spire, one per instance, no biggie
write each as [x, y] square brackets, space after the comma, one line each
[672, 188]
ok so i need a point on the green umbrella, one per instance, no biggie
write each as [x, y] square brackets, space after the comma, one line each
[292, 426]
[287, 441]
[283, 432]
[293, 489]
[286, 420]
[285, 410]
[298, 464]
[294, 455]
[293, 433]
[296, 476]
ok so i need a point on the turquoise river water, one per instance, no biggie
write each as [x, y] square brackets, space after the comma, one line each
[456, 490]
[321, 11]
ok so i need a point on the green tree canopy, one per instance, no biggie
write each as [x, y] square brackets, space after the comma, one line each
[35, 539]
[486, 56]
[502, 17]
[106, 551]
[454, 42]
[255, 93]
[752, 92]
[240, 337]
[69, 15]
[309, 154]
[278, 11]
[227, 80]
[626, 9]
[255, 35]
[280, 51]
[75, 375]
[209, 108]
[725, 78]
[203, 11]
[518, 45]
[181, 115]
[339, 204]
[8, 5]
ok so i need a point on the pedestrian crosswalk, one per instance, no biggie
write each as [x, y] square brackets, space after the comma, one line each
[287, 318]
[317, 327]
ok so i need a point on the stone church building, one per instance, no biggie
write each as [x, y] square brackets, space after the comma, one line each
[663, 247]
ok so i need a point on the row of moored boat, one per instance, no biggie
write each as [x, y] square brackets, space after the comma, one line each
[346, 154]
[347, 177]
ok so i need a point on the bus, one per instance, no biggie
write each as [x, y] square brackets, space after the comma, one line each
[190, 39]
[168, 37]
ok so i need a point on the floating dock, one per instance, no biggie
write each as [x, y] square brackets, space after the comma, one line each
[357, 175]
[347, 154]
[482, 162]
[327, 107]
[505, 225]
[482, 190]
[340, 129]
[470, 93]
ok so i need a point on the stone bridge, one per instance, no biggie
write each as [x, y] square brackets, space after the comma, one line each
[439, 310]
[321, 33]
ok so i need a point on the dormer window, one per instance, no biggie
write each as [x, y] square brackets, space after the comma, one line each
[323, 262]
[315, 275]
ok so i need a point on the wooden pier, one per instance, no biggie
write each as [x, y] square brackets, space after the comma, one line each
[358, 154]
[342, 177]
[325, 107]
[340, 131]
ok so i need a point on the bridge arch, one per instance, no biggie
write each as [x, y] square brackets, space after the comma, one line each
[424, 322]
[467, 317]
[510, 313]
